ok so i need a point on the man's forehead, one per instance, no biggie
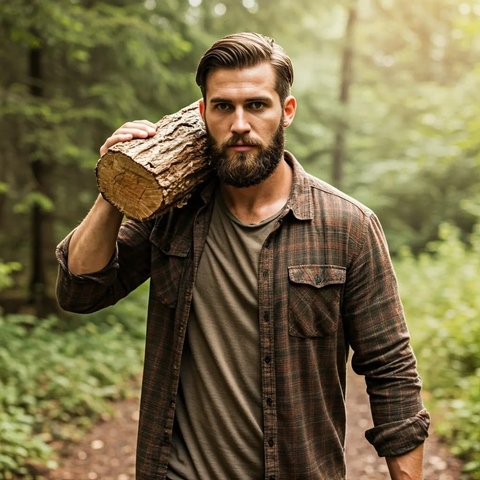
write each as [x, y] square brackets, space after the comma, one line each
[222, 81]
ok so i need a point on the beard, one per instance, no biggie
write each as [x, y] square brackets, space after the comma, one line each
[247, 169]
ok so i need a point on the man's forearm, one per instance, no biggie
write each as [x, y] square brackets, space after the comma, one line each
[93, 243]
[408, 466]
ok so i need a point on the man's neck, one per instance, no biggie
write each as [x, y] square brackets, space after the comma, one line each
[254, 204]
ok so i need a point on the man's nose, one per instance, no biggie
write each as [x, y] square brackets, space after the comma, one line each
[240, 123]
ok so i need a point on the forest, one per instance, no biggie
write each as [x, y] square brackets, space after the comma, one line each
[388, 98]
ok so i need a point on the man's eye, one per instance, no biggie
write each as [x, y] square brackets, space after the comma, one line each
[222, 106]
[257, 105]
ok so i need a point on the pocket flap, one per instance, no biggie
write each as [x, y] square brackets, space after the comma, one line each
[317, 276]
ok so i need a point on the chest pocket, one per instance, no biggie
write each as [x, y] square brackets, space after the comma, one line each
[314, 299]
[169, 256]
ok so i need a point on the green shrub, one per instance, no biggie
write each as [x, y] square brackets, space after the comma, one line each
[6, 270]
[440, 292]
[58, 376]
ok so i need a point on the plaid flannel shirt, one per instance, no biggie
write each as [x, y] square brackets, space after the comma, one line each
[325, 284]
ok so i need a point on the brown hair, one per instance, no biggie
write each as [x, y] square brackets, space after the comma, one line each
[244, 50]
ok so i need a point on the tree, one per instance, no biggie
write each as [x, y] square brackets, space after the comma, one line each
[346, 80]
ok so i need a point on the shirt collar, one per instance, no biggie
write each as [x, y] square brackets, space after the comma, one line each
[300, 200]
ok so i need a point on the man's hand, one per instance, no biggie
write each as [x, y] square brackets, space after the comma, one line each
[408, 466]
[129, 131]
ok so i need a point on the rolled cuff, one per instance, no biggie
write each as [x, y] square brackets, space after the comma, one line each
[105, 276]
[400, 437]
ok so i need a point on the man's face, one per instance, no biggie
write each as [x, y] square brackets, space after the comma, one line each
[245, 123]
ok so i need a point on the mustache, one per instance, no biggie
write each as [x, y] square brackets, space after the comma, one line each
[243, 139]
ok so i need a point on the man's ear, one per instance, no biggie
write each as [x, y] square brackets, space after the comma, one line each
[201, 108]
[289, 109]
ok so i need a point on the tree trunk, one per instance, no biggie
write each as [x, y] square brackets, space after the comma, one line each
[41, 221]
[346, 80]
[146, 178]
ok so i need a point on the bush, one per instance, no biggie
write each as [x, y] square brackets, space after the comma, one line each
[442, 302]
[5, 273]
[57, 377]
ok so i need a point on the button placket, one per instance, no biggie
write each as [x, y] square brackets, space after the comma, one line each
[265, 297]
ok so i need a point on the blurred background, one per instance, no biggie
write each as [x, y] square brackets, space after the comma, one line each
[389, 112]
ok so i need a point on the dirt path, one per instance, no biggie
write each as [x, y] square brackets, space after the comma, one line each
[108, 451]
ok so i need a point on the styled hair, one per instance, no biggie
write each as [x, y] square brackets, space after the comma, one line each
[245, 50]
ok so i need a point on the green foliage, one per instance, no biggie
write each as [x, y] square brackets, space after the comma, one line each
[57, 377]
[440, 294]
[6, 270]
[34, 199]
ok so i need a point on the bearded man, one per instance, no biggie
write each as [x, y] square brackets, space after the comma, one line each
[260, 285]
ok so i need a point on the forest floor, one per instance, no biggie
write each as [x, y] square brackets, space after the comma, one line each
[108, 451]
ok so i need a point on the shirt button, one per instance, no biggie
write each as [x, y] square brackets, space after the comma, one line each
[266, 316]
[265, 273]
[318, 279]
[269, 402]
[267, 359]
[270, 442]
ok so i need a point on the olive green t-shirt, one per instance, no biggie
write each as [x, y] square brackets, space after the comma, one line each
[218, 432]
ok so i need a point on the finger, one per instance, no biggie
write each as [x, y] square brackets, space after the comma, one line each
[136, 132]
[141, 125]
[114, 139]
[121, 137]
[147, 123]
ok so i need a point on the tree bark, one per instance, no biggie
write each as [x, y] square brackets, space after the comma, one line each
[146, 178]
[346, 80]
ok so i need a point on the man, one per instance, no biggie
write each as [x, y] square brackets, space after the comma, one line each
[259, 286]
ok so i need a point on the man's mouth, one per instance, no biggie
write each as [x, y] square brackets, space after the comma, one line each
[238, 147]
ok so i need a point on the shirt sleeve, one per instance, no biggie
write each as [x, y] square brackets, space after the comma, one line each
[128, 268]
[378, 333]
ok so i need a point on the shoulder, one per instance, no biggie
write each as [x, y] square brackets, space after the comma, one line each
[334, 199]
[317, 199]
[335, 211]
[346, 224]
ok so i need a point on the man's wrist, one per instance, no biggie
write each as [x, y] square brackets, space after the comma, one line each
[408, 466]
[107, 207]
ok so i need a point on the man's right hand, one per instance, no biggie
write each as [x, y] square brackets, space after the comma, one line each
[129, 131]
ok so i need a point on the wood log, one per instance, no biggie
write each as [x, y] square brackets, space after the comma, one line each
[145, 178]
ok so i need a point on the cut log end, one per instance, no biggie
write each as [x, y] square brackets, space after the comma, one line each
[145, 178]
[128, 186]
